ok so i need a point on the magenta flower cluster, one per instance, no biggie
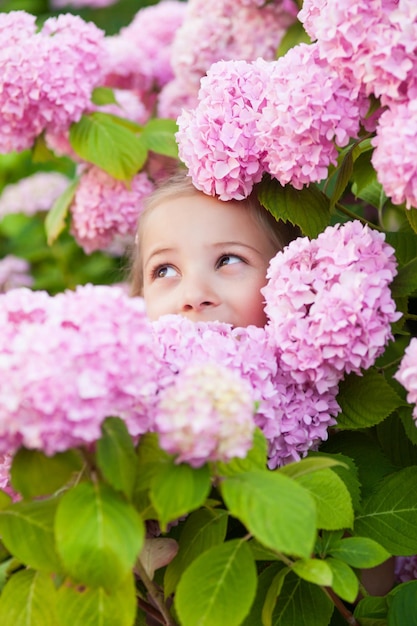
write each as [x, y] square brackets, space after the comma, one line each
[46, 77]
[104, 208]
[329, 303]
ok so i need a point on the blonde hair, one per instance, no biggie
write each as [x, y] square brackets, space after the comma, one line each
[179, 185]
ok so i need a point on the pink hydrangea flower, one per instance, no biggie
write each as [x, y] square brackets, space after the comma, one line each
[79, 4]
[14, 272]
[34, 193]
[407, 374]
[367, 42]
[174, 97]
[139, 57]
[47, 82]
[308, 112]
[69, 361]
[329, 303]
[227, 30]
[104, 208]
[206, 415]
[217, 139]
[5, 484]
[293, 417]
[395, 154]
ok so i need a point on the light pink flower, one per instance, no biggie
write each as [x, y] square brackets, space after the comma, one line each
[227, 30]
[395, 154]
[34, 193]
[79, 4]
[207, 415]
[14, 272]
[308, 112]
[104, 208]
[217, 139]
[407, 374]
[329, 303]
[69, 361]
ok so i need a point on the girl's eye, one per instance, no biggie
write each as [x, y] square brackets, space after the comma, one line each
[164, 271]
[229, 259]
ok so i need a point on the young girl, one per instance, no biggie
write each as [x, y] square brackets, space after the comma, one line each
[204, 258]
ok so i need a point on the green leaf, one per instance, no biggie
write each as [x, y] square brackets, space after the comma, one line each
[389, 515]
[102, 96]
[345, 582]
[256, 458]
[293, 35]
[307, 208]
[190, 486]
[159, 136]
[26, 528]
[28, 599]
[412, 218]
[314, 571]
[55, 218]
[100, 139]
[365, 400]
[405, 245]
[346, 470]
[405, 283]
[279, 513]
[333, 501]
[218, 587]
[372, 611]
[35, 474]
[272, 595]
[81, 606]
[116, 456]
[202, 530]
[402, 606]
[360, 552]
[395, 443]
[5, 500]
[344, 172]
[301, 604]
[309, 465]
[99, 535]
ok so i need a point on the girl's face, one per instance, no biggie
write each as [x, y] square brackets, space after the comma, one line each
[204, 259]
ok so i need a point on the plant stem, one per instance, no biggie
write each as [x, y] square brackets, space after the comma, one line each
[343, 610]
[156, 595]
[353, 215]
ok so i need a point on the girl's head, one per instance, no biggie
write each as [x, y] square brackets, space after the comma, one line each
[205, 258]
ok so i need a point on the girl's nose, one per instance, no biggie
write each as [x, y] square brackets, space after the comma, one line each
[197, 295]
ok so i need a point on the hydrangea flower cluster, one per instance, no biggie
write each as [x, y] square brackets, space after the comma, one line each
[206, 415]
[217, 139]
[69, 361]
[372, 43]
[32, 194]
[405, 568]
[407, 374]
[14, 272]
[47, 77]
[79, 4]
[329, 303]
[104, 208]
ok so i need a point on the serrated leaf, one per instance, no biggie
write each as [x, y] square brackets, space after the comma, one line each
[359, 552]
[99, 535]
[278, 512]
[401, 608]
[307, 208]
[26, 528]
[365, 400]
[308, 465]
[345, 582]
[35, 474]
[28, 599]
[202, 530]
[405, 283]
[333, 501]
[347, 471]
[389, 515]
[116, 456]
[55, 218]
[191, 487]
[100, 139]
[218, 587]
[81, 606]
[301, 604]
[159, 136]
[256, 458]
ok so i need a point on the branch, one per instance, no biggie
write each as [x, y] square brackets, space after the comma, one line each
[343, 610]
[156, 595]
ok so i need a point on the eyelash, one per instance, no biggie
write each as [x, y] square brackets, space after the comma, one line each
[154, 271]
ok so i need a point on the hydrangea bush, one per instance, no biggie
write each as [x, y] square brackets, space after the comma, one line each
[177, 473]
